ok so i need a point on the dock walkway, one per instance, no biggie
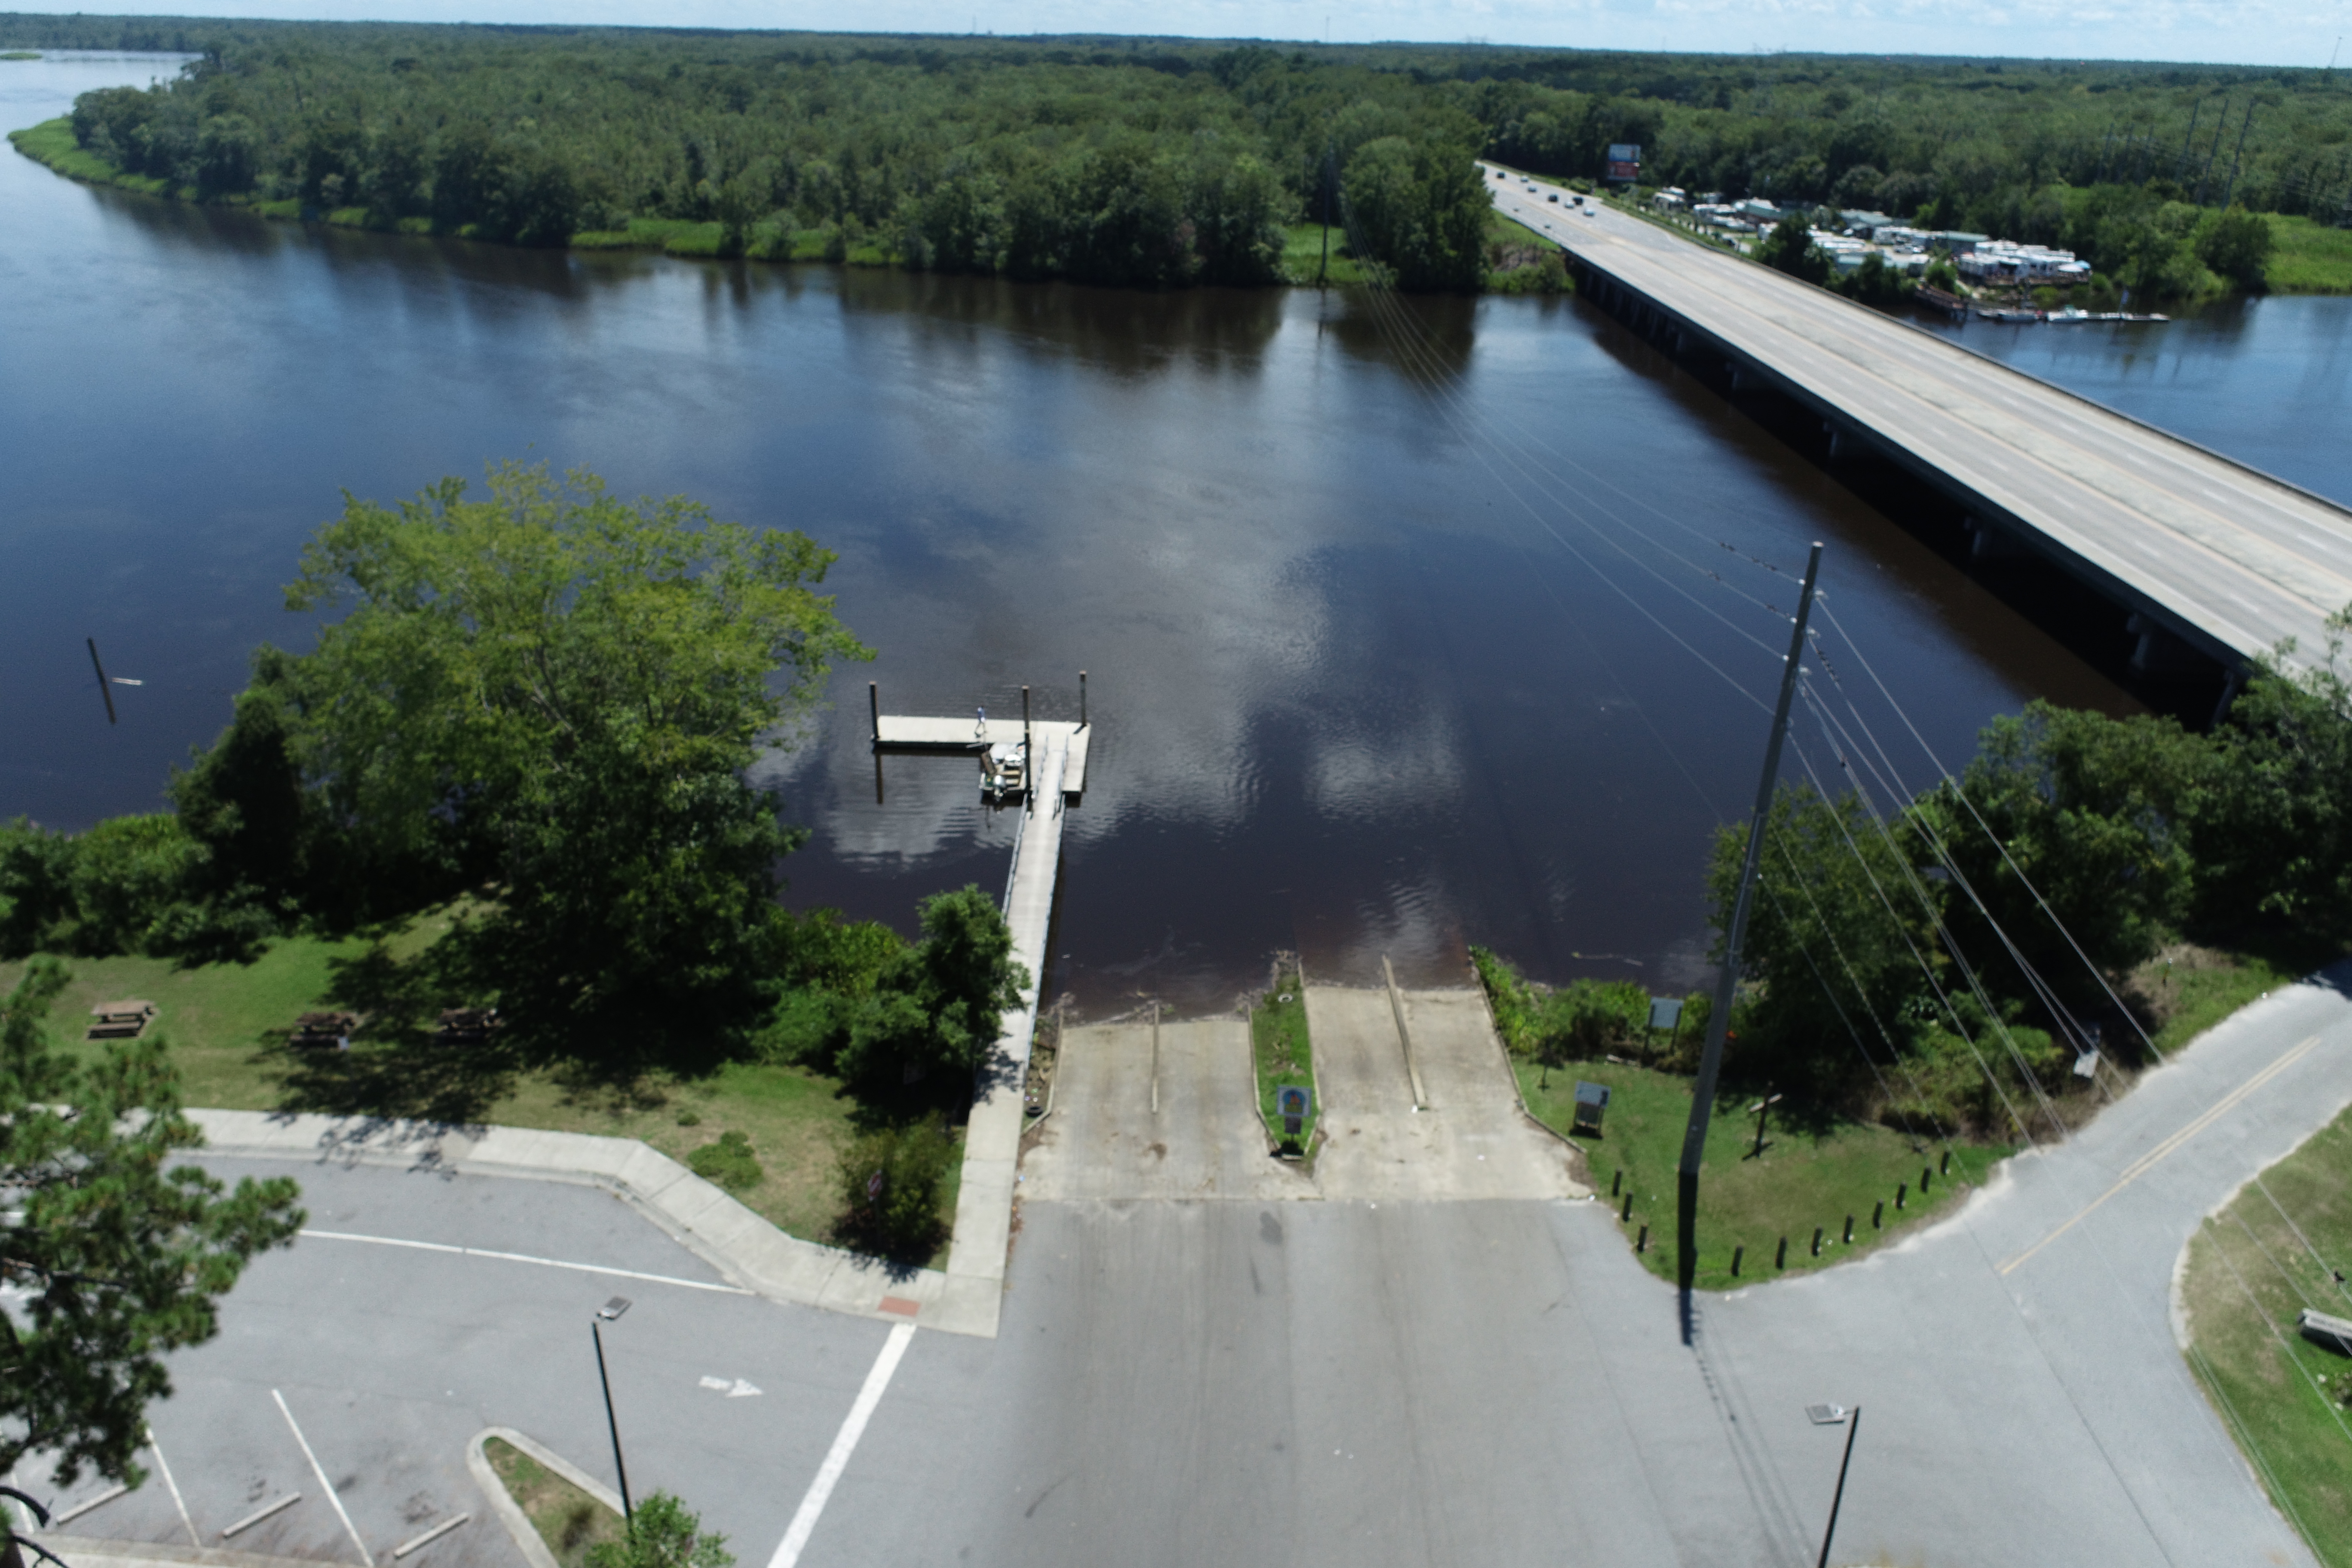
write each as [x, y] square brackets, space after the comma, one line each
[992, 1145]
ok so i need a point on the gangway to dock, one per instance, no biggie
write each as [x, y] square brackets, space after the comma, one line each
[1056, 756]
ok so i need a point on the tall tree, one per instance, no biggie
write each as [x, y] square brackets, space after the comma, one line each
[123, 1258]
[575, 688]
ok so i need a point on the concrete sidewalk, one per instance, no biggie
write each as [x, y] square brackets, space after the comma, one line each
[745, 1249]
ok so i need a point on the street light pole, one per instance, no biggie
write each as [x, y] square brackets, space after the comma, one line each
[628, 1514]
[1853, 1426]
[1718, 1021]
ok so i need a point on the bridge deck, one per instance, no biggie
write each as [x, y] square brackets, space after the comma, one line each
[2228, 558]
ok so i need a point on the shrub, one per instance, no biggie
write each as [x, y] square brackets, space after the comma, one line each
[728, 1163]
[662, 1533]
[890, 1182]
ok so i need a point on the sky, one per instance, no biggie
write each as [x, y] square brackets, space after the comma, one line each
[2306, 33]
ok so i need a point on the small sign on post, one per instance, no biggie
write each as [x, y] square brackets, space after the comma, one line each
[1665, 1012]
[1592, 1099]
[1294, 1103]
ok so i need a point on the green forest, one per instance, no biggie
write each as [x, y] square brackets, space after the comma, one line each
[1160, 162]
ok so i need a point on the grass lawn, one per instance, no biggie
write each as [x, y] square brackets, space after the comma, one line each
[1285, 1056]
[567, 1519]
[226, 1026]
[1807, 1176]
[2274, 1250]
[2309, 257]
[1302, 255]
[2193, 988]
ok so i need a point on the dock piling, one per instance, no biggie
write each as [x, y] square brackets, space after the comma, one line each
[874, 706]
[1082, 699]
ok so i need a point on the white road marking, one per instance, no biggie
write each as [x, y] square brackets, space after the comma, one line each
[526, 1258]
[173, 1488]
[844, 1443]
[318, 1470]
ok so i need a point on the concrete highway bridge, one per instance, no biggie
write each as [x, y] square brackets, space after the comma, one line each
[2212, 560]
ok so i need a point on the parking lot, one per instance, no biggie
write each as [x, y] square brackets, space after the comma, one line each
[388, 1360]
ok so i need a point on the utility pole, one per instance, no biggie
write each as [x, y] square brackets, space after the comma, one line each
[2236, 153]
[1718, 1021]
[1323, 266]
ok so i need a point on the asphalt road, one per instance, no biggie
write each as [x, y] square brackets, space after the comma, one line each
[1337, 1382]
[2214, 545]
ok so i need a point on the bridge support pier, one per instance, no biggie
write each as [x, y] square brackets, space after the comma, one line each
[1989, 542]
[2159, 652]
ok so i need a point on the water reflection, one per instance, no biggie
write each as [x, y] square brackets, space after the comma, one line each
[1377, 664]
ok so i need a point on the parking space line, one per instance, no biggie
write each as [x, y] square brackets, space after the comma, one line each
[173, 1488]
[258, 1515]
[844, 1443]
[418, 1543]
[526, 1258]
[319, 1471]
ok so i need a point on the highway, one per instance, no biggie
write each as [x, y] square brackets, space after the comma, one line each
[2229, 560]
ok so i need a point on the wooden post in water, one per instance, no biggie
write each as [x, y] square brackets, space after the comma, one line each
[1028, 760]
[874, 706]
[1082, 699]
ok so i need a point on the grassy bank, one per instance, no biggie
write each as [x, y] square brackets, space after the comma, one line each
[2308, 258]
[2276, 1248]
[1284, 1055]
[1814, 1172]
[568, 1520]
[227, 1023]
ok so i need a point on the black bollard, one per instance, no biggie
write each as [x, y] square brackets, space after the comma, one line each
[1945, 1168]
[1849, 1230]
[1628, 1214]
[1616, 1184]
[1736, 1254]
[1642, 1242]
[1817, 1241]
[1878, 1214]
[1901, 1192]
[1781, 1256]
[1927, 1178]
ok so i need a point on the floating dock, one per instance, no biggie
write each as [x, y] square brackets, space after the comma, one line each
[908, 733]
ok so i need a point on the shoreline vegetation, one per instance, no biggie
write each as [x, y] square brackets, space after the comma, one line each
[1169, 163]
[1518, 261]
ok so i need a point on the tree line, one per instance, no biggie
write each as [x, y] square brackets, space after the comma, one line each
[1160, 162]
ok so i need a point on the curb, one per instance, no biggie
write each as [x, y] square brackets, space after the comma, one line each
[93, 1551]
[502, 1503]
[746, 1249]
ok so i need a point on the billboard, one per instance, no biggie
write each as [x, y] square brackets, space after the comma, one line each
[1624, 160]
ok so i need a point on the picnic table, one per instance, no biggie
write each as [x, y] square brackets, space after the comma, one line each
[119, 1020]
[324, 1029]
[468, 1025]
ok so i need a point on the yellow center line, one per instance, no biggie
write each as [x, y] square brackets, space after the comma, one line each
[2150, 1159]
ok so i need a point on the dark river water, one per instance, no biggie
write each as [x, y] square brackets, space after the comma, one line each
[1402, 632]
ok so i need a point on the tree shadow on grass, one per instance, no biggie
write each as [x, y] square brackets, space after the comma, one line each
[398, 1065]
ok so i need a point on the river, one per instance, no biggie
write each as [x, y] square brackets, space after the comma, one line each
[1400, 633]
